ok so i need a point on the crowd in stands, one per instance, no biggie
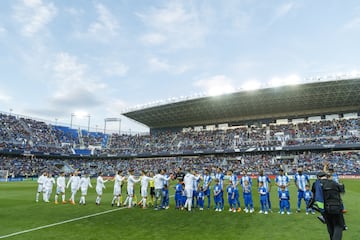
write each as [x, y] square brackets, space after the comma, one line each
[20, 133]
[343, 162]
[27, 134]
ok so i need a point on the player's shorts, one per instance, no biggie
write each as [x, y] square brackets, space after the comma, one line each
[40, 188]
[60, 189]
[144, 192]
[301, 194]
[130, 191]
[189, 193]
[117, 191]
[74, 190]
[152, 191]
[99, 191]
[158, 193]
[84, 191]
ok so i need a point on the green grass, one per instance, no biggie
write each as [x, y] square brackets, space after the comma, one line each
[19, 212]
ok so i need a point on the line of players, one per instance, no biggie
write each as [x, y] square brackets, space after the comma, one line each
[192, 189]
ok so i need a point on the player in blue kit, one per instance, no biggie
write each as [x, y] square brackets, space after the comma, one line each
[201, 198]
[165, 193]
[231, 196]
[284, 198]
[267, 185]
[282, 180]
[263, 198]
[237, 203]
[196, 184]
[206, 186]
[220, 176]
[301, 180]
[178, 191]
[218, 196]
[247, 194]
[308, 195]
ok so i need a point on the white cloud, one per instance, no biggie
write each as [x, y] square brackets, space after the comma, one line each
[34, 15]
[284, 9]
[4, 97]
[153, 39]
[116, 69]
[177, 25]
[106, 24]
[216, 85]
[73, 83]
[353, 24]
[158, 65]
[2, 30]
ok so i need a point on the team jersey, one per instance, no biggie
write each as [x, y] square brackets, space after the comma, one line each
[230, 190]
[41, 179]
[217, 190]
[49, 182]
[247, 189]
[100, 183]
[265, 180]
[308, 195]
[74, 182]
[85, 182]
[220, 176]
[284, 195]
[234, 180]
[188, 180]
[145, 181]
[245, 178]
[206, 181]
[196, 184]
[201, 195]
[159, 181]
[301, 181]
[262, 191]
[178, 188]
[118, 181]
[60, 182]
[131, 181]
[282, 181]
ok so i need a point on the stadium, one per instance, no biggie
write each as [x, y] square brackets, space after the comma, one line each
[266, 129]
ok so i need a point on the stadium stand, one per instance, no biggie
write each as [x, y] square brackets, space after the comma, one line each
[248, 141]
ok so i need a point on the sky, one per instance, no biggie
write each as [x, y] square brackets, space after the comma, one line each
[74, 61]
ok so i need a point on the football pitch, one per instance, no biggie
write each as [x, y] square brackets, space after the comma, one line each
[22, 218]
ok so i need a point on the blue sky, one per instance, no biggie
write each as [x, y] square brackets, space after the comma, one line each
[101, 57]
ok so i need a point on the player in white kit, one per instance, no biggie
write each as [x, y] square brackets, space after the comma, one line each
[40, 188]
[189, 187]
[118, 180]
[100, 185]
[74, 183]
[144, 187]
[48, 186]
[60, 188]
[85, 183]
[130, 186]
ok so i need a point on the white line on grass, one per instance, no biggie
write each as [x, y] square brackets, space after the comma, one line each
[59, 223]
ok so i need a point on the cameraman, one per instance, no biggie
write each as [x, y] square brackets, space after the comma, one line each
[333, 219]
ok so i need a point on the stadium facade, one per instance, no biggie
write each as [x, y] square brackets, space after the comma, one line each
[262, 106]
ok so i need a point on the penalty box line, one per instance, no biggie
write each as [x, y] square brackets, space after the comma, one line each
[60, 223]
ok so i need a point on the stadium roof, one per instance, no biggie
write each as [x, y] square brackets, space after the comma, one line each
[292, 101]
